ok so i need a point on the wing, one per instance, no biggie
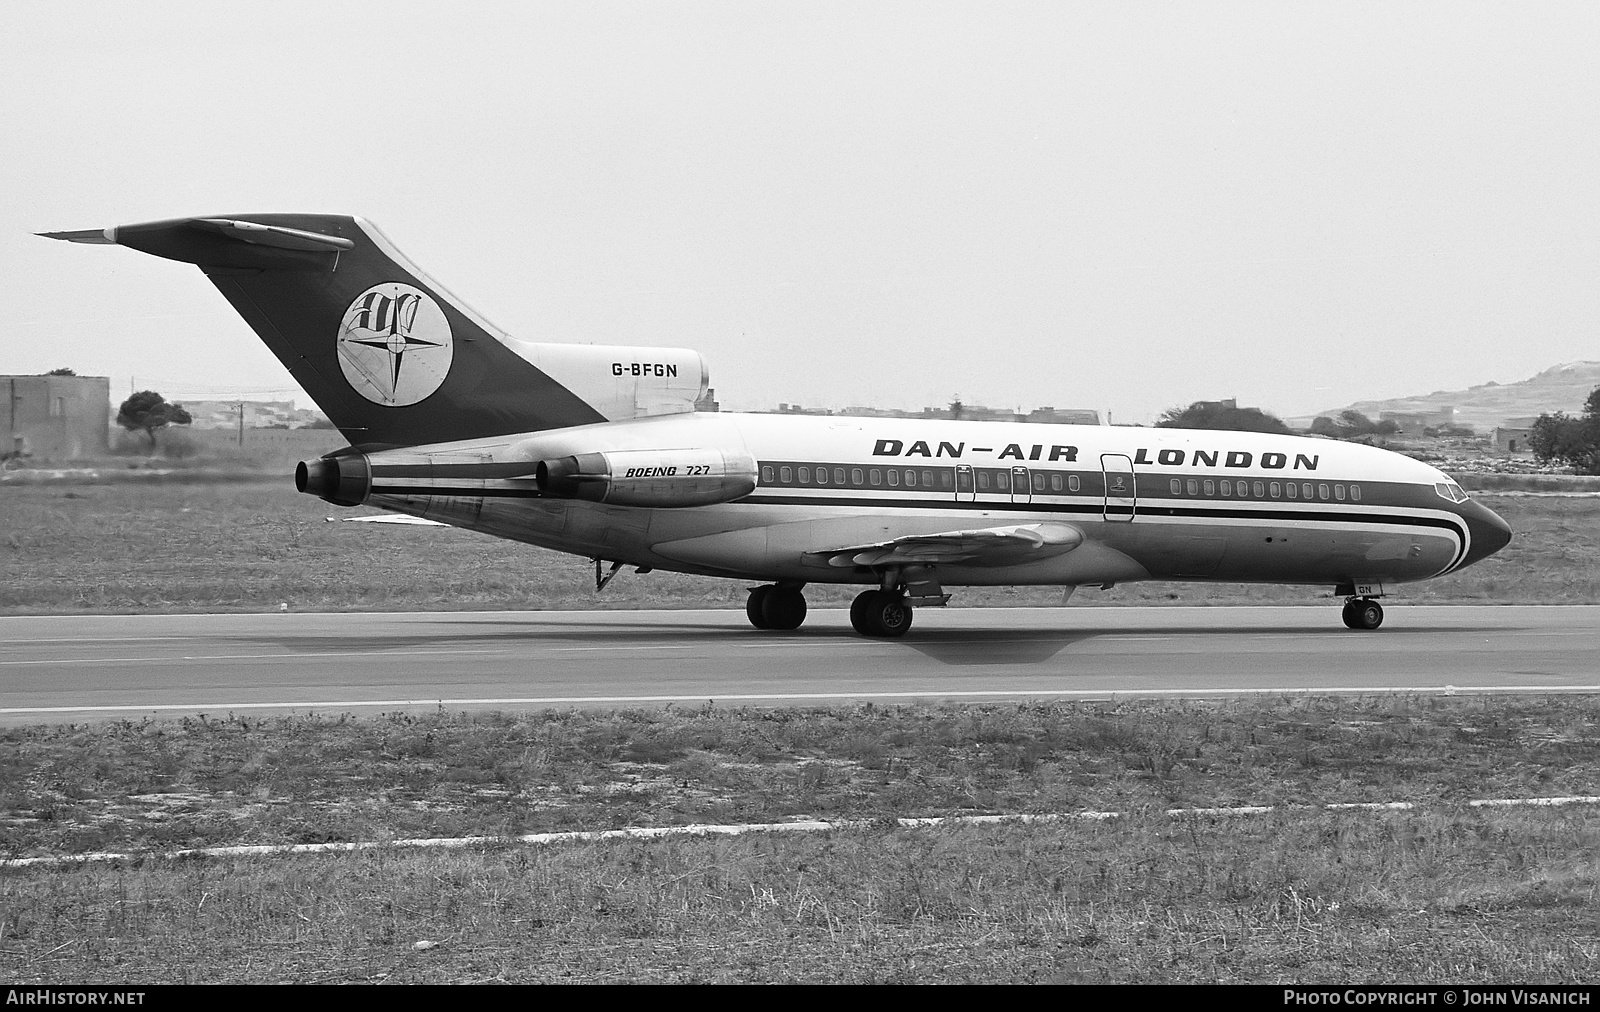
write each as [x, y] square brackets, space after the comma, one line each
[989, 546]
[389, 518]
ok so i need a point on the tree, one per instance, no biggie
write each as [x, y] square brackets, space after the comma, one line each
[1214, 415]
[63, 371]
[148, 411]
[1352, 424]
[1571, 441]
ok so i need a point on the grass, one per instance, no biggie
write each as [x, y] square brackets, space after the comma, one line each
[1458, 897]
[251, 546]
[233, 780]
[1444, 893]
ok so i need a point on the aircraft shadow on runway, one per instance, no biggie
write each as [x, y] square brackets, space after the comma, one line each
[962, 647]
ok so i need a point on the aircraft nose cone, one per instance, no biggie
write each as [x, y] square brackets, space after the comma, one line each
[1489, 532]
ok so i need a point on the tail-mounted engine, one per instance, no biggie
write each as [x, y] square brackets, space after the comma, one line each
[657, 478]
[344, 479]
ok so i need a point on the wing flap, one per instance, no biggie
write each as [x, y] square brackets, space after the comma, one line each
[989, 546]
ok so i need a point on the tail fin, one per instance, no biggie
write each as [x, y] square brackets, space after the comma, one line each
[389, 354]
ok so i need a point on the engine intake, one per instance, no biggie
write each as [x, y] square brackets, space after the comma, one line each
[657, 478]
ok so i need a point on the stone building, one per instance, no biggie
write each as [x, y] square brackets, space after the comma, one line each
[55, 417]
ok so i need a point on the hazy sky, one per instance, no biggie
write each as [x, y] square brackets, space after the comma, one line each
[1111, 205]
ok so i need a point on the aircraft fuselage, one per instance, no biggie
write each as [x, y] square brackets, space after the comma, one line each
[1167, 504]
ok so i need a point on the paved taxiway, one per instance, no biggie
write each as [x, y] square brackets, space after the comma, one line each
[56, 668]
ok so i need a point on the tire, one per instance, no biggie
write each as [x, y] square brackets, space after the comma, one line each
[754, 608]
[887, 615]
[783, 608]
[1369, 615]
[858, 612]
[1349, 616]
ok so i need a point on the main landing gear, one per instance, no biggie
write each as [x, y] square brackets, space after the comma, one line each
[1363, 613]
[776, 607]
[883, 613]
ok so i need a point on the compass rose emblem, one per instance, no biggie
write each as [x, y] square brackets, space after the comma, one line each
[395, 345]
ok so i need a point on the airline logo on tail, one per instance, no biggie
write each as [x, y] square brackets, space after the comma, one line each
[395, 345]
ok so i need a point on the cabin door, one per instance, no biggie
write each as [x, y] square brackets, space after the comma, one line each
[1122, 491]
[966, 491]
[1021, 488]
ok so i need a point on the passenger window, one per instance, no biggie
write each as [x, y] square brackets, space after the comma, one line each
[1176, 486]
[1322, 491]
[911, 478]
[786, 474]
[1292, 489]
[1194, 486]
[1227, 487]
[1038, 482]
[822, 476]
[876, 476]
[894, 477]
[838, 476]
[927, 479]
[805, 476]
[1355, 492]
[1338, 492]
[983, 479]
[1002, 481]
[1211, 487]
[856, 477]
[1072, 483]
[1261, 491]
[1055, 483]
[1275, 490]
[947, 479]
[766, 473]
[1305, 491]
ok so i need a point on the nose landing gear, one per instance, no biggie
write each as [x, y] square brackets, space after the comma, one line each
[1363, 613]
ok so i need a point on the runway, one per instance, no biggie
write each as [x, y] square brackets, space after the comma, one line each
[61, 668]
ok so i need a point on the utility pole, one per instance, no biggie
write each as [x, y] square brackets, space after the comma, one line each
[241, 423]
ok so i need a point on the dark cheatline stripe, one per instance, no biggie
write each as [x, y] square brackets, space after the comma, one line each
[1092, 508]
[477, 493]
[509, 469]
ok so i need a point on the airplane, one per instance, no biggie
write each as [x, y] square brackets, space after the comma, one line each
[598, 451]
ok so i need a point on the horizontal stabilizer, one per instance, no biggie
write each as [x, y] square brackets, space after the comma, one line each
[989, 546]
[94, 236]
[389, 518]
[273, 235]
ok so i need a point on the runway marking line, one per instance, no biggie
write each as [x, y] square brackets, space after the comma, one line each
[169, 658]
[1106, 694]
[738, 829]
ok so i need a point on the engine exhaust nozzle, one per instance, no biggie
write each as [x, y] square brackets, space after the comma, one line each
[343, 481]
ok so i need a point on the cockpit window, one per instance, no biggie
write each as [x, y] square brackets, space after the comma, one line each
[1450, 490]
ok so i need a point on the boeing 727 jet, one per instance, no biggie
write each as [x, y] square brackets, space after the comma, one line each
[599, 451]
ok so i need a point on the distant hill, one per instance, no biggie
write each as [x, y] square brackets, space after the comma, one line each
[1559, 388]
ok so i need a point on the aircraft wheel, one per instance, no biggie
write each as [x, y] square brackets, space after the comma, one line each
[886, 614]
[1349, 615]
[754, 608]
[858, 611]
[1367, 614]
[783, 608]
